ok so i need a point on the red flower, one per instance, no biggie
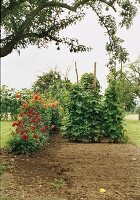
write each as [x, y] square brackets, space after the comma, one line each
[46, 127]
[43, 129]
[31, 110]
[22, 132]
[24, 137]
[18, 95]
[32, 121]
[14, 124]
[22, 114]
[17, 123]
[17, 130]
[35, 136]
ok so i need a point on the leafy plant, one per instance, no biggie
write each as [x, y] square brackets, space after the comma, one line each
[58, 183]
[113, 113]
[83, 117]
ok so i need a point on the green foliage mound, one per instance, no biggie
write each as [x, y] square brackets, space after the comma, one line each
[92, 117]
[83, 116]
[113, 114]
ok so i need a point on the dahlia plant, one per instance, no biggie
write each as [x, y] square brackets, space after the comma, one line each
[38, 117]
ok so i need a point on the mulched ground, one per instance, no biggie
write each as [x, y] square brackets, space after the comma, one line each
[73, 171]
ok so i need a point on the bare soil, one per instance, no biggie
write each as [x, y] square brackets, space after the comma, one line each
[73, 171]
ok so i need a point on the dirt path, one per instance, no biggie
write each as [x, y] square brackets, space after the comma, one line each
[73, 171]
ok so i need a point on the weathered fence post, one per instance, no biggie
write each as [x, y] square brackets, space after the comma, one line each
[94, 80]
[76, 72]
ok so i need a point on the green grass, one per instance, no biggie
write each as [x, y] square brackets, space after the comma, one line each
[133, 131]
[6, 127]
[132, 127]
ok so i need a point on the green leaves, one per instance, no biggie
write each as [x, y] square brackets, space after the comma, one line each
[83, 117]
[113, 114]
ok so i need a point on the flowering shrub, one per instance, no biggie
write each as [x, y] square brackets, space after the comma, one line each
[38, 117]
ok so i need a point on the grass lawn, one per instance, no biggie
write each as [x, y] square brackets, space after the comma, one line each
[6, 127]
[133, 131]
[132, 127]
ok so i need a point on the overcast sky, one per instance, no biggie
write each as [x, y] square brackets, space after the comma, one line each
[21, 71]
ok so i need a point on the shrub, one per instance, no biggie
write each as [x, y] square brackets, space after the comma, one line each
[91, 118]
[83, 117]
[113, 114]
[38, 117]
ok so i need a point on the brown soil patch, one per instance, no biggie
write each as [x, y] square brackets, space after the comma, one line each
[73, 171]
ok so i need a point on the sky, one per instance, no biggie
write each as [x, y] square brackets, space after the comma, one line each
[22, 71]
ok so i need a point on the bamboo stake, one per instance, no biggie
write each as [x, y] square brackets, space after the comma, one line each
[94, 80]
[76, 72]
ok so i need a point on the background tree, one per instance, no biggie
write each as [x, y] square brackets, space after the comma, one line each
[133, 72]
[137, 111]
[44, 81]
[39, 22]
[52, 85]
[128, 85]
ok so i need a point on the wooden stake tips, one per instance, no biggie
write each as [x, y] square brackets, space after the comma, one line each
[94, 80]
[76, 72]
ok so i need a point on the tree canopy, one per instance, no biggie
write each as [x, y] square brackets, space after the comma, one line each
[39, 22]
[44, 81]
[128, 85]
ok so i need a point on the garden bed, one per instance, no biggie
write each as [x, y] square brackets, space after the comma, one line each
[73, 171]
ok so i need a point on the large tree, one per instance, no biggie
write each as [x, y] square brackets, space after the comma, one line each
[38, 22]
[128, 85]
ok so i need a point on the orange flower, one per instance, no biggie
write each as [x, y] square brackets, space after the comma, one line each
[18, 95]
[37, 97]
[52, 105]
[45, 106]
[25, 105]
